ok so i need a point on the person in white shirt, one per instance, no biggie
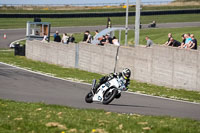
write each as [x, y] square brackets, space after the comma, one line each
[65, 38]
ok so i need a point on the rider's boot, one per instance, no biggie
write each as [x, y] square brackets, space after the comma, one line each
[96, 87]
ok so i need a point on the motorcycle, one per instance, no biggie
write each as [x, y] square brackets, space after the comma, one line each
[107, 92]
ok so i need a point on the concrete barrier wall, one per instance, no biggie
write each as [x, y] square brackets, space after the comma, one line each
[54, 53]
[167, 66]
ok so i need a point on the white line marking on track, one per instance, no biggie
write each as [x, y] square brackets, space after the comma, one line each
[39, 73]
[7, 68]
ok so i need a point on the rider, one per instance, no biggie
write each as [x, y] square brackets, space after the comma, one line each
[125, 75]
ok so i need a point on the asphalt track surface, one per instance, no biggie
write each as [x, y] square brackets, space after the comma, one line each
[21, 85]
[15, 34]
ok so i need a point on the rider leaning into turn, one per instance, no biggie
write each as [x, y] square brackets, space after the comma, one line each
[125, 75]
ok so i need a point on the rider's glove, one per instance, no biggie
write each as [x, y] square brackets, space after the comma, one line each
[113, 75]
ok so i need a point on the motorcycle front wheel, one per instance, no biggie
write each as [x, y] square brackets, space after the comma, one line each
[88, 97]
[109, 96]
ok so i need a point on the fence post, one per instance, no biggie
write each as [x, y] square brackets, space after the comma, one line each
[76, 55]
[137, 23]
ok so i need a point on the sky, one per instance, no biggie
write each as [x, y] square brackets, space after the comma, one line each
[72, 2]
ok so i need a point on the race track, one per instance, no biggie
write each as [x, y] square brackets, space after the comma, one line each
[21, 85]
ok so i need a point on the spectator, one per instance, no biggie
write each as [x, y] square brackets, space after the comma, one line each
[183, 41]
[149, 41]
[108, 39]
[102, 41]
[115, 41]
[188, 40]
[89, 37]
[194, 42]
[45, 38]
[168, 43]
[71, 39]
[54, 36]
[174, 43]
[65, 38]
[96, 33]
[37, 33]
[57, 38]
[85, 37]
[152, 25]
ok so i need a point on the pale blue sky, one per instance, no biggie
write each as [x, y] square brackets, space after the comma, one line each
[69, 2]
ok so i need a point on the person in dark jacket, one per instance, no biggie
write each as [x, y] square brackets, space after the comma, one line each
[57, 38]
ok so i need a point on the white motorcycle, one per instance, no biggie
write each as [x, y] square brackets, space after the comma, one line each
[107, 91]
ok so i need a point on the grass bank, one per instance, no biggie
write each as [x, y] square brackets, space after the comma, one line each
[23, 117]
[9, 23]
[84, 76]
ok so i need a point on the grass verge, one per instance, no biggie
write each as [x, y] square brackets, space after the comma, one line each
[9, 23]
[23, 117]
[84, 76]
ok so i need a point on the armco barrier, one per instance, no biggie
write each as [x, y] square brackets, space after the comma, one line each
[97, 14]
[167, 66]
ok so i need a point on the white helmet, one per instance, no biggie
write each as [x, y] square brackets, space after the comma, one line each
[126, 73]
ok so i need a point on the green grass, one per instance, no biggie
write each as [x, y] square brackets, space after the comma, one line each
[9, 23]
[159, 35]
[84, 76]
[20, 117]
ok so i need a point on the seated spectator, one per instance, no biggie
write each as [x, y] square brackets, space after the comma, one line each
[194, 42]
[188, 40]
[149, 41]
[65, 38]
[152, 25]
[102, 41]
[115, 41]
[71, 39]
[108, 39]
[85, 37]
[174, 43]
[57, 38]
[37, 33]
[183, 41]
[89, 37]
[168, 43]
[96, 33]
[54, 36]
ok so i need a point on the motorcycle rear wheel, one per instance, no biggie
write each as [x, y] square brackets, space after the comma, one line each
[109, 96]
[88, 97]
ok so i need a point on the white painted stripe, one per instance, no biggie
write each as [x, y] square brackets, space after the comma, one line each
[90, 84]
[7, 68]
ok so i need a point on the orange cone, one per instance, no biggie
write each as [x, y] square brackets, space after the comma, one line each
[4, 36]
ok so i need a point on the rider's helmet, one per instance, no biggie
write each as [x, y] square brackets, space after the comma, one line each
[126, 73]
